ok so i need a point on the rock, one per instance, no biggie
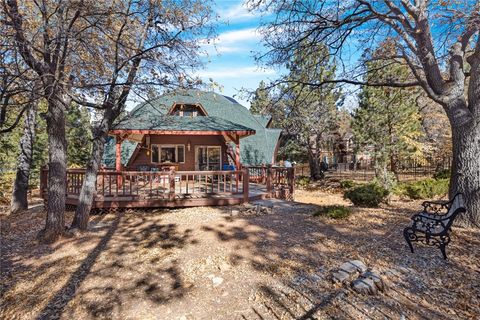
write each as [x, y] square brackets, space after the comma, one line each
[364, 286]
[341, 276]
[348, 271]
[376, 278]
[217, 281]
[353, 266]
[235, 212]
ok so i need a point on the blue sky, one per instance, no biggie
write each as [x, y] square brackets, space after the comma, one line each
[230, 61]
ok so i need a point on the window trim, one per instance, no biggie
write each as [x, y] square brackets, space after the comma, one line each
[208, 162]
[160, 146]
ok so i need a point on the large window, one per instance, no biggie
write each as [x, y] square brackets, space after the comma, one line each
[208, 157]
[168, 153]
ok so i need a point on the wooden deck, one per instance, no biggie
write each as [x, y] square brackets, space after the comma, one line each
[138, 189]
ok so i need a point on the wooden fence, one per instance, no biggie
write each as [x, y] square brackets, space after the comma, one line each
[279, 181]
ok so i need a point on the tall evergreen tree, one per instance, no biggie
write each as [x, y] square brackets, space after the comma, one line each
[261, 101]
[388, 118]
[79, 136]
[310, 111]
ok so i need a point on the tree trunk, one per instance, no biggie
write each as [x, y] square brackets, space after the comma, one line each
[57, 171]
[20, 187]
[466, 169]
[87, 193]
[314, 163]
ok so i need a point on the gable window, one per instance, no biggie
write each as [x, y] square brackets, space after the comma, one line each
[187, 110]
[170, 153]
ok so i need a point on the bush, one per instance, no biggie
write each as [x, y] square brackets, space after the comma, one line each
[334, 212]
[442, 174]
[347, 184]
[368, 195]
[427, 189]
[303, 181]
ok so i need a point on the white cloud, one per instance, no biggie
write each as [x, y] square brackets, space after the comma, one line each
[243, 40]
[236, 13]
[236, 72]
[250, 34]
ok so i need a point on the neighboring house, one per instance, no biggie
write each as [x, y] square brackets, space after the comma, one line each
[191, 130]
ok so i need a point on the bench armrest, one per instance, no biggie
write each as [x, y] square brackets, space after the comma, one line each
[429, 216]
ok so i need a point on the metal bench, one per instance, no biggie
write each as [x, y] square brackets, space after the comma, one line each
[432, 226]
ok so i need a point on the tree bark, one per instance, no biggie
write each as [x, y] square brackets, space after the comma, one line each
[20, 186]
[87, 193]
[466, 169]
[57, 171]
[314, 163]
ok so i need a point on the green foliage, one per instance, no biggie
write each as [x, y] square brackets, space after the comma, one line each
[303, 181]
[442, 174]
[334, 212]
[79, 136]
[367, 195]
[293, 151]
[386, 179]
[261, 100]
[388, 119]
[423, 189]
[347, 184]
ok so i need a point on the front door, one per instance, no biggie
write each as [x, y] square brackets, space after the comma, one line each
[208, 158]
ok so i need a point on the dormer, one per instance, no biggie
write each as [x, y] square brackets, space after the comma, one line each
[187, 110]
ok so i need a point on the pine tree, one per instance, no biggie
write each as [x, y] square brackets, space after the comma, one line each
[311, 111]
[388, 119]
[261, 101]
[79, 136]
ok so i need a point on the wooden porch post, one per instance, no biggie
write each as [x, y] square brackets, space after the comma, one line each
[118, 159]
[237, 152]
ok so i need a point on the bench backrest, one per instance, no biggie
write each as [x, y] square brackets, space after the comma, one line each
[457, 206]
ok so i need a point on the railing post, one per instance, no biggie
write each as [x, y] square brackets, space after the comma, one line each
[291, 181]
[269, 181]
[246, 182]
[171, 178]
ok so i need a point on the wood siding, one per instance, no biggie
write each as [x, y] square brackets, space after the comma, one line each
[141, 157]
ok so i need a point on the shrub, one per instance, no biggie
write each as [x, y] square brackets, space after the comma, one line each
[334, 212]
[368, 195]
[303, 181]
[400, 189]
[347, 184]
[427, 188]
[442, 174]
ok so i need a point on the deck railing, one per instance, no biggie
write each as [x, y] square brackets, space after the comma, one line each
[279, 181]
[157, 185]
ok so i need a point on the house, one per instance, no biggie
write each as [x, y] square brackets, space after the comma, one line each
[191, 130]
[186, 148]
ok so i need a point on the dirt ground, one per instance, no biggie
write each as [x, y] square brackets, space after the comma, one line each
[217, 263]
